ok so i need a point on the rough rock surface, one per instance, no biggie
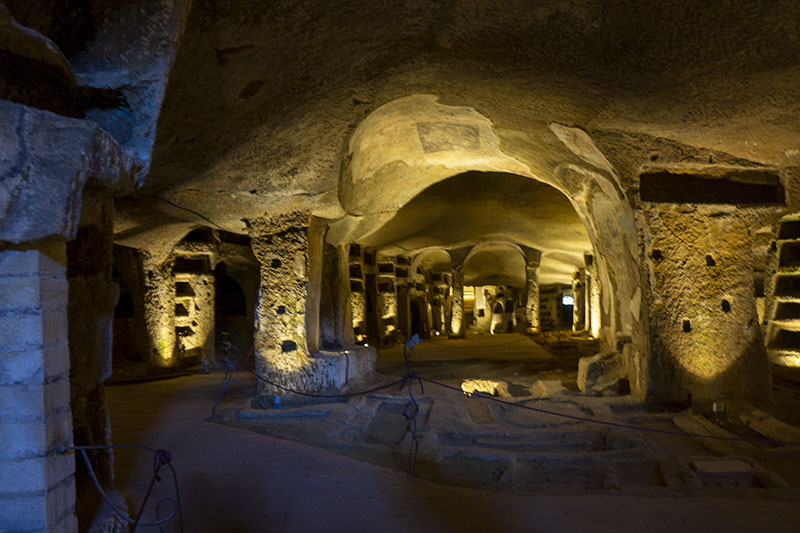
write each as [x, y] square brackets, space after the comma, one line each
[47, 160]
[600, 374]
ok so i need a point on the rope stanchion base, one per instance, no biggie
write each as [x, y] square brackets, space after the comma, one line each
[161, 458]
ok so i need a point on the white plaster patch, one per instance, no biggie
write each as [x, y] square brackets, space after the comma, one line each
[579, 143]
[636, 303]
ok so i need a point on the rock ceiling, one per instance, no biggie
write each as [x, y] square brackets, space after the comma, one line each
[259, 100]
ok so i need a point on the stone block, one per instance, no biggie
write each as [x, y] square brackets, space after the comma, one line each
[23, 475]
[23, 367]
[56, 360]
[67, 524]
[59, 429]
[54, 326]
[60, 500]
[19, 292]
[600, 374]
[25, 513]
[21, 330]
[58, 466]
[21, 402]
[19, 262]
[547, 388]
[22, 439]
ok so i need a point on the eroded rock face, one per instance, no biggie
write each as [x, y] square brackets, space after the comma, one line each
[281, 246]
[601, 374]
[297, 111]
[47, 161]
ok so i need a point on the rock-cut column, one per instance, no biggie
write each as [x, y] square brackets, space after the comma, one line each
[579, 300]
[280, 244]
[456, 326]
[532, 292]
[592, 296]
[159, 309]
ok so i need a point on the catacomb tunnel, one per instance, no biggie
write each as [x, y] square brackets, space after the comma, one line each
[501, 263]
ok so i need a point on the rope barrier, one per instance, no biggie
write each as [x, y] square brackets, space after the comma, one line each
[227, 380]
[311, 394]
[604, 422]
[160, 458]
[412, 407]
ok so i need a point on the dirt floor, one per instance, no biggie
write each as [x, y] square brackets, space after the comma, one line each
[482, 466]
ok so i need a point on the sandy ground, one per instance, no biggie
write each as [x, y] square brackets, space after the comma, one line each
[235, 480]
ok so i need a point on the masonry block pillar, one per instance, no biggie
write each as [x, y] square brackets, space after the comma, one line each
[37, 484]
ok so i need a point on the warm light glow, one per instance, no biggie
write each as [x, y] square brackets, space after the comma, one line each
[567, 300]
[486, 386]
[787, 359]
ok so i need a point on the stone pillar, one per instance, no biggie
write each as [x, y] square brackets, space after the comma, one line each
[37, 484]
[532, 293]
[593, 310]
[344, 311]
[456, 326]
[159, 309]
[358, 294]
[386, 299]
[92, 297]
[281, 246]
[579, 300]
[704, 323]
[193, 312]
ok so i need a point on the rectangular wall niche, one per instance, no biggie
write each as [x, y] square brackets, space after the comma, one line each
[189, 265]
[738, 186]
[787, 285]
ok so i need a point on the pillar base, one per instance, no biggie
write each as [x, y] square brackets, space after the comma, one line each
[326, 372]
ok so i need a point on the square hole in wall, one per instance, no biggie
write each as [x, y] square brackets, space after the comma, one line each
[355, 271]
[784, 339]
[789, 229]
[355, 250]
[386, 268]
[402, 272]
[355, 286]
[191, 265]
[787, 310]
[385, 287]
[787, 285]
[790, 254]
[184, 331]
[183, 288]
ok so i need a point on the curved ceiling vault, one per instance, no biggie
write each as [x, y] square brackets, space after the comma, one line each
[476, 207]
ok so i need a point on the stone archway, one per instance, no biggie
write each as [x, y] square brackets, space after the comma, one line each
[412, 143]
